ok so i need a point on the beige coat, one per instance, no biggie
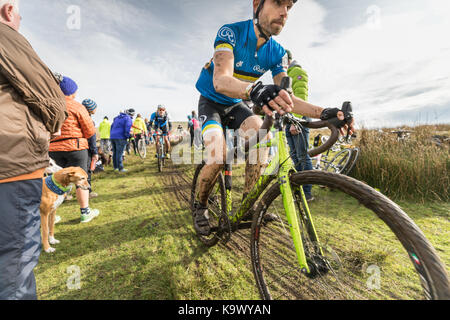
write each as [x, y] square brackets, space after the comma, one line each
[31, 106]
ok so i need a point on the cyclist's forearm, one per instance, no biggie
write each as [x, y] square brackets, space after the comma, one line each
[231, 87]
[306, 109]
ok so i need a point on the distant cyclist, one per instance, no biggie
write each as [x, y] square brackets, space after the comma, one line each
[161, 121]
[244, 51]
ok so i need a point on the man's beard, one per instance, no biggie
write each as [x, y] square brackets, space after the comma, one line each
[273, 28]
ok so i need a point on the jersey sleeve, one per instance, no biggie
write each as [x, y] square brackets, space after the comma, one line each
[226, 39]
[281, 61]
[152, 119]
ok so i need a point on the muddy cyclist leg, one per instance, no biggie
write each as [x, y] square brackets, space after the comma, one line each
[215, 159]
[168, 147]
[256, 161]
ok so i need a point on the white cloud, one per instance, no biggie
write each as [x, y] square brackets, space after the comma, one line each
[142, 54]
[408, 52]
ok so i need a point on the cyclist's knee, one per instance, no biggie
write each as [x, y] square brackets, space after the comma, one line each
[215, 147]
[251, 128]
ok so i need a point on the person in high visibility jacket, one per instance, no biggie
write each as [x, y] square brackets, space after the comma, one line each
[105, 134]
[139, 131]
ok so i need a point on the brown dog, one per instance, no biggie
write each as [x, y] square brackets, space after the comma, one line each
[54, 191]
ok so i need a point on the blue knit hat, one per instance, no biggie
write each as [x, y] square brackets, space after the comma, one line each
[68, 86]
[89, 104]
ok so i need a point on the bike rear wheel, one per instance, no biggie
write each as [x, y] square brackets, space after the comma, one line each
[142, 148]
[353, 160]
[340, 162]
[362, 257]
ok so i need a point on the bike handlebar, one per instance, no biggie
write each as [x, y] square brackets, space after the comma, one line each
[290, 119]
[286, 84]
[329, 143]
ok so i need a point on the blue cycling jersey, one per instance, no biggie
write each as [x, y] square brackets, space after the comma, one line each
[250, 64]
[160, 122]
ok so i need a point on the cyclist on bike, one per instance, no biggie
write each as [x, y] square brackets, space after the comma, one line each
[244, 51]
[160, 120]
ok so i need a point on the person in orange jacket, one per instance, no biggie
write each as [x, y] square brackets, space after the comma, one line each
[71, 148]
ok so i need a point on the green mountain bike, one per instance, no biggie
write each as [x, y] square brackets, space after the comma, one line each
[352, 242]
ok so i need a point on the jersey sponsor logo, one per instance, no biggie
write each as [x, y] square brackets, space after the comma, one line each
[258, 68]
[239, 64]
[227, 34]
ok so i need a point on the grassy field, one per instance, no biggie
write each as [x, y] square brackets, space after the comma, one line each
[143, 244]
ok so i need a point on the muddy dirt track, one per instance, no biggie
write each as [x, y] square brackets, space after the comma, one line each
[280, 266]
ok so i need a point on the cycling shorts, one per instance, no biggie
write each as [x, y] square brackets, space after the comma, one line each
[164, 130]
[217, 117]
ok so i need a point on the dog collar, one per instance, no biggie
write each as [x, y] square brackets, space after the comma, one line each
[55, 186]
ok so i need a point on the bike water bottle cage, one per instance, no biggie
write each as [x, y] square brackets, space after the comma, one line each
[261, 94]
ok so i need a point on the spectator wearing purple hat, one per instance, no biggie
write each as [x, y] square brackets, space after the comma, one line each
[71, 148]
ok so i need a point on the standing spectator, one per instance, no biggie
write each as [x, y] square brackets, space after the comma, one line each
[105, 133]
[139, 131]
[32, 108]
[149, 130]
[197, 133]
[91, 107]
[191, 130]
[71, 148]
[147, 139]
[299, 141]
[120, 133]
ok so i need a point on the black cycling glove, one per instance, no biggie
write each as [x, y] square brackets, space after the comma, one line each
[330, 115]
[261, 94]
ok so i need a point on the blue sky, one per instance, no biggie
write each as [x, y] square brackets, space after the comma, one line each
[390, 58]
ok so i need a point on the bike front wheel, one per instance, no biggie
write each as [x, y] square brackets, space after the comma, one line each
[160, 157]
[366, 246]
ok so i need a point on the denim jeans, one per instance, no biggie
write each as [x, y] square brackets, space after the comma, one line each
[302, 160]
[20, 238]
[118, 146]
[105, 144]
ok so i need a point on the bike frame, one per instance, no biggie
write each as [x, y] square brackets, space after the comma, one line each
[280, 170]
[160, 142]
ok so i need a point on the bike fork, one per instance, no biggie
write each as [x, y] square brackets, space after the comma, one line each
[294, 225]
[307, 218]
